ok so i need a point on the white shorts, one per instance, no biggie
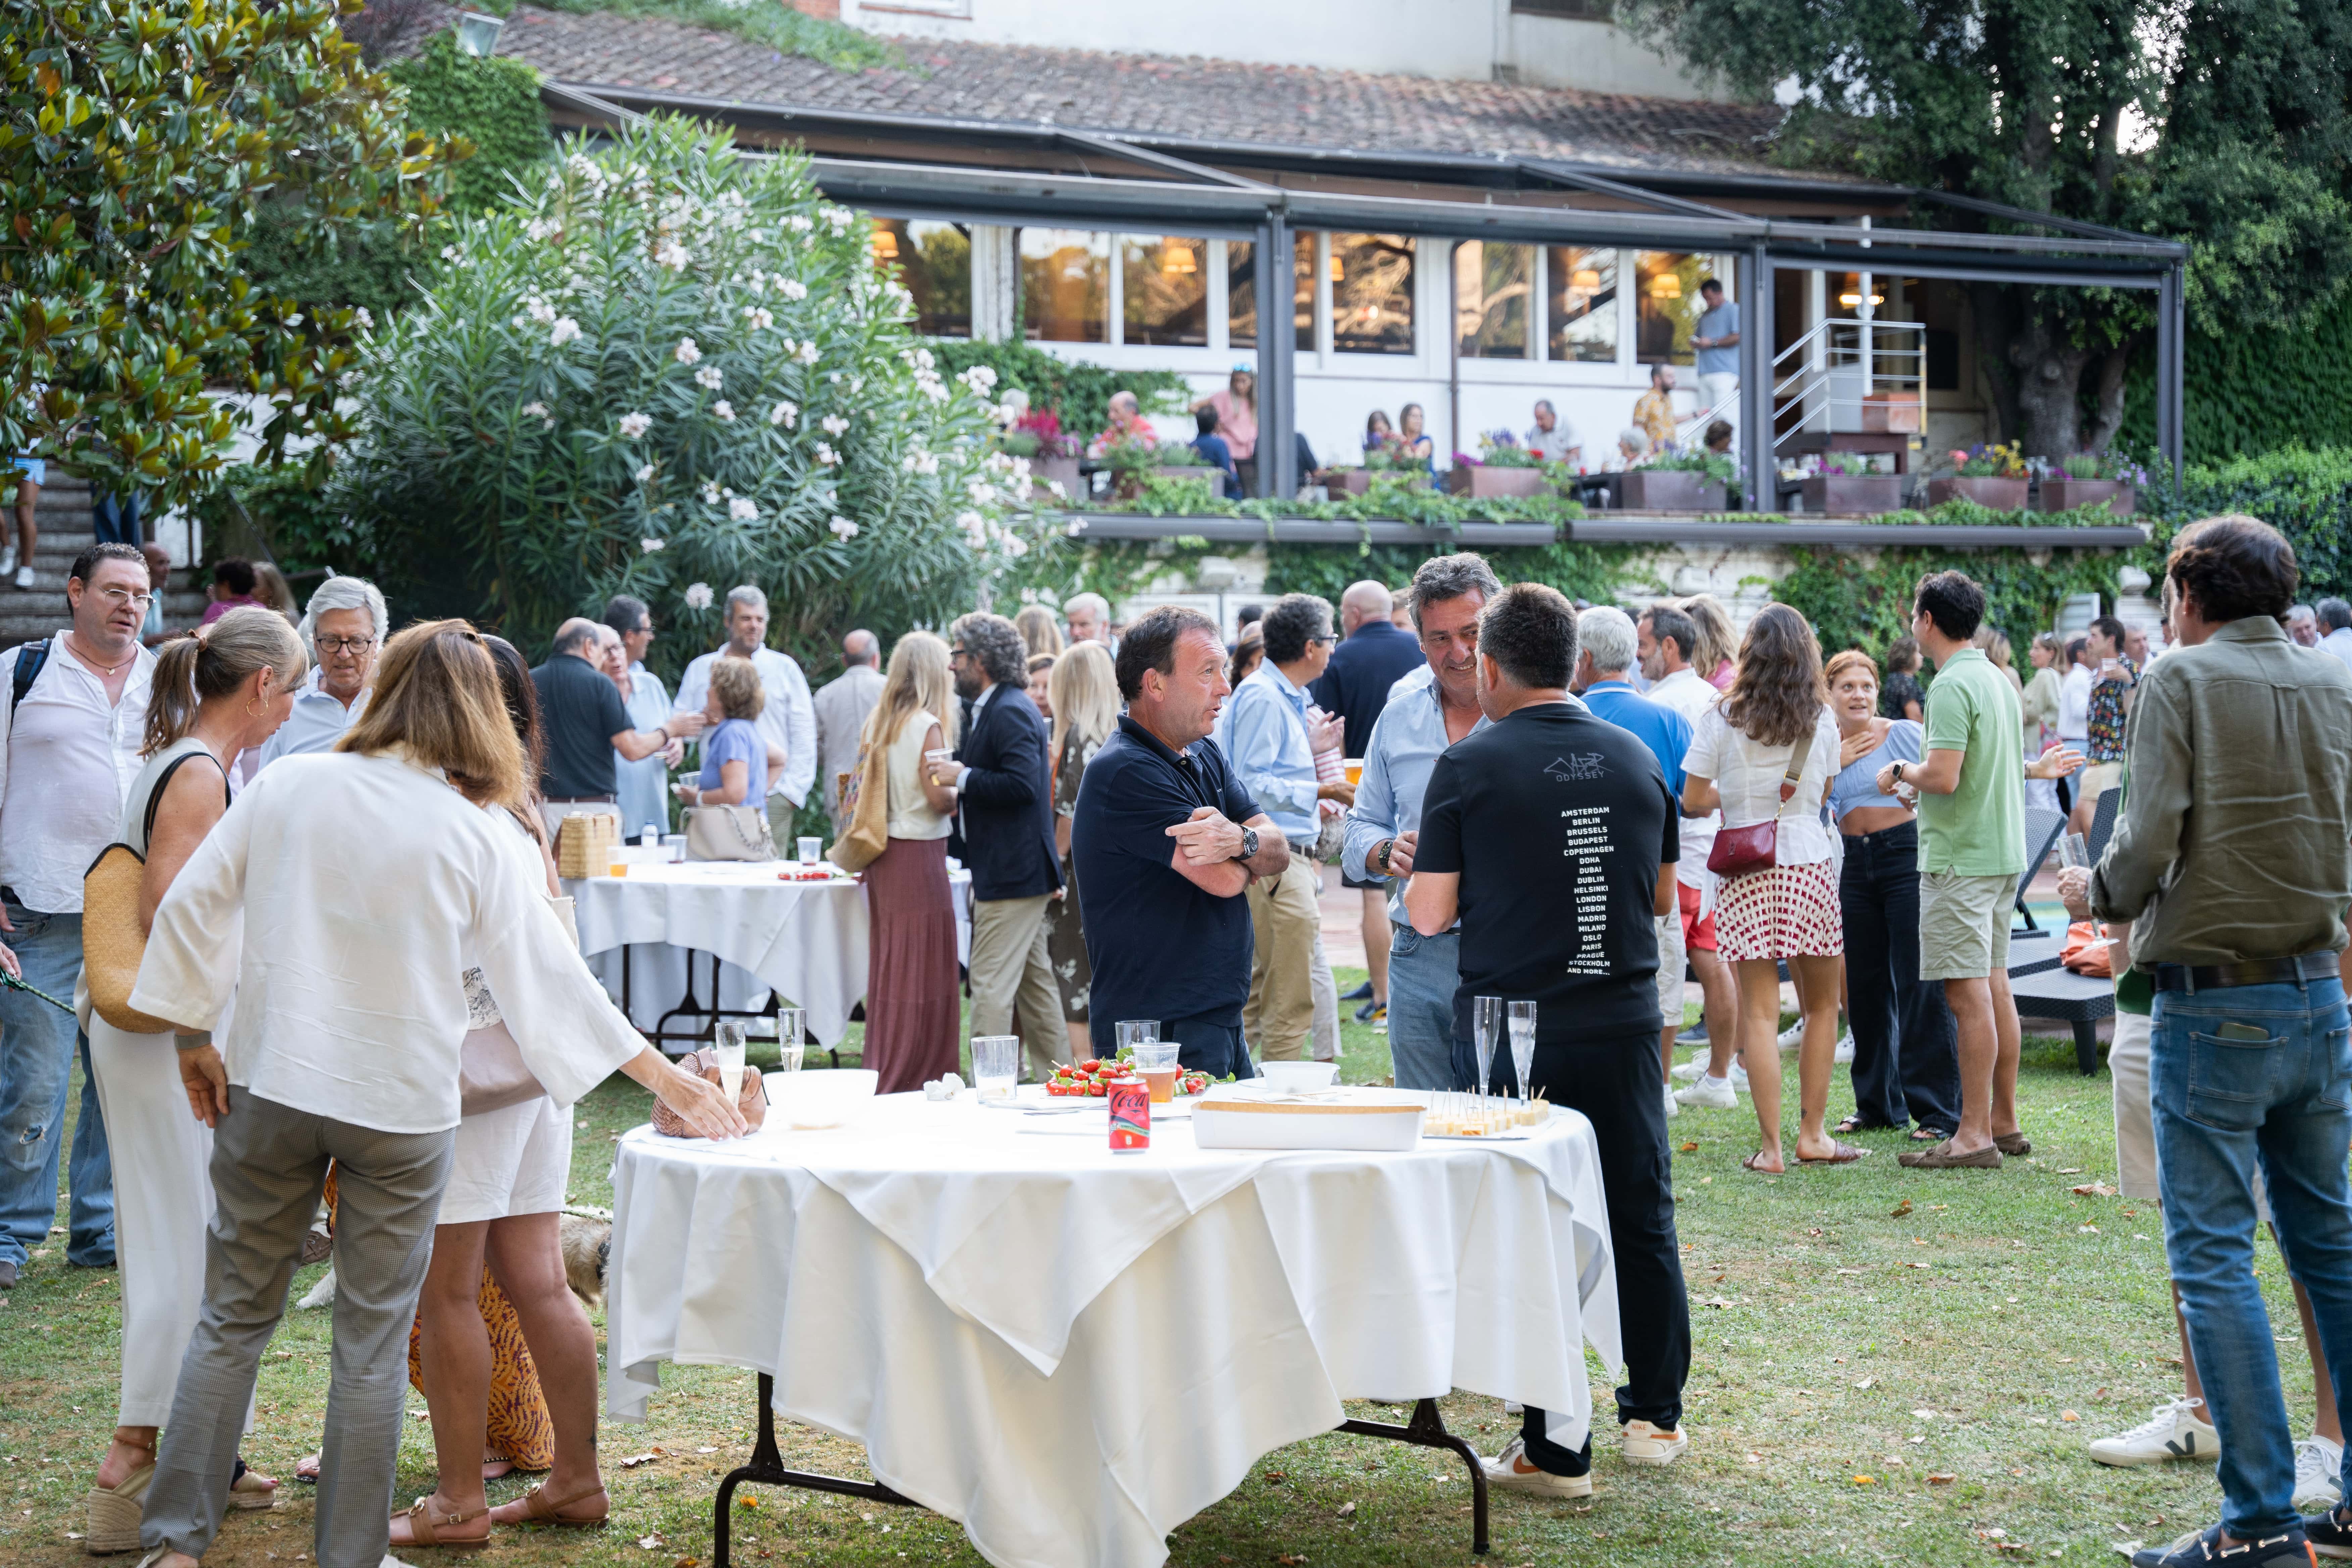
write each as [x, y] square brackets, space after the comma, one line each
[2135, 1167]
[516, 1159]
[1673, 960]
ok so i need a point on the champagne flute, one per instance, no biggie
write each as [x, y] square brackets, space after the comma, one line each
[728, 1046]
[1485, 1025]
[1523, 1044]
[789, 1046]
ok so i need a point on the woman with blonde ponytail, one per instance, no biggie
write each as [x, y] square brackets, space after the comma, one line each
[218, 693]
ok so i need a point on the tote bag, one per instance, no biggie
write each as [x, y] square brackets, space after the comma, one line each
[865, 807]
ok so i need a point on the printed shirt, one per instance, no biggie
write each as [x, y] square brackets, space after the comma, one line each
[1654, 411]
[2106, 716]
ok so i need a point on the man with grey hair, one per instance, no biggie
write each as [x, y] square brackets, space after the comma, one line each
[1552, 438]
[841, 705]
[586, 726]
[1384, 822]
[788, 721]
[2302, 625]
[1088, 618]
[345, 625]
[645, 782]
[1607, 646]
[2335, 619]
[1004, 835]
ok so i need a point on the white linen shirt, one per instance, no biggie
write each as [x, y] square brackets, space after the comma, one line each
[66, 761]
[789, 718]
[644, 785]
[368, 887]
[1747, 775]
[2075, 704]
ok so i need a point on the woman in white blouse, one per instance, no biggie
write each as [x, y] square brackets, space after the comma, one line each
[1766, 754]
[342, 898]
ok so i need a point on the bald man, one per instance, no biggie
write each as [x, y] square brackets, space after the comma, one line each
[841, 705]
[586, 722]
[1372, 653]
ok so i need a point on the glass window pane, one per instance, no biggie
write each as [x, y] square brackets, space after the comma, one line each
[1491, 286]
[1302, 291]
[1164, 285]
[1668, 307]
[1372, 293]
[1583, 304]
[1065, 285]
[934, 261]
[1241, 294]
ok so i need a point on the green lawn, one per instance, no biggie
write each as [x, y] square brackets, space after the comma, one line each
[1848, 1348]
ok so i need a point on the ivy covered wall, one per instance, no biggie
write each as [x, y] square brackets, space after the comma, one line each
[2262, 389]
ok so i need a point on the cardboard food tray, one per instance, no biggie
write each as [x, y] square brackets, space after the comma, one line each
[1328, 1121]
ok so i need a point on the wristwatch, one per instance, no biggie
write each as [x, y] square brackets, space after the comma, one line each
[1380, 856]
[1899, 773]
[1249, 845]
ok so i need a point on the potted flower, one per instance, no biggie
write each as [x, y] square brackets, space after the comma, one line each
[1053, 453]
[1682, 482]
[1503, 468]
[1383, 464]
[2092, 478]
[1849, 482]
[1991, 476]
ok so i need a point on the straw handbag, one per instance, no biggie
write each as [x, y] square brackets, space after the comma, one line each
[865, 807]
[750, 1100]
[112, 940]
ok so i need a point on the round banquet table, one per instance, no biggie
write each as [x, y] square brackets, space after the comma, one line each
[804, 940]
[1072, 1351]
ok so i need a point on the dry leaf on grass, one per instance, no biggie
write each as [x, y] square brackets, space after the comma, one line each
[1866, 1383]
[650, 1542]
[1865, 1480]
[1347, 1511]
[2093, 1190]
[1941, 1478]
[1900, 1209]
[633, 1460]
[1691, 1148]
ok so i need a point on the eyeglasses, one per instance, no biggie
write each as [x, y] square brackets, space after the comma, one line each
[345, 645]
[118, 597]
[956, 653]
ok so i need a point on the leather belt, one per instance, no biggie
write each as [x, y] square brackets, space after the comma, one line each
[2195, 977]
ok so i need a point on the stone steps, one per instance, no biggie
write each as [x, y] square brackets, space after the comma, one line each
[65, 529]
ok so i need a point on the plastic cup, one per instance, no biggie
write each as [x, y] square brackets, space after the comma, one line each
[1354, 768]
[995, 1063]
[1161, 1081]
[812, 851]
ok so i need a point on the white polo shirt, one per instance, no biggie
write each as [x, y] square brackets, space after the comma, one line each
[68, 758]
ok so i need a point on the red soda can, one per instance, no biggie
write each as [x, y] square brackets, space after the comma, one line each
[1131, 1114]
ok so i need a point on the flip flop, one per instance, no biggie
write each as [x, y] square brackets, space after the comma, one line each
[1840, 1155]
[1749, 1165]
[1930, 1135]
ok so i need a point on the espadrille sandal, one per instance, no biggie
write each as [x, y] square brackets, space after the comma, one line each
[114, 1513]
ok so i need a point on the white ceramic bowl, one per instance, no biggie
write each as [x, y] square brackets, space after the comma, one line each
[824, 1096]
[1298, 1077]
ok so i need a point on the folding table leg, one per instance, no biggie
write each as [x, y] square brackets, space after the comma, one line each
[2086, 1047]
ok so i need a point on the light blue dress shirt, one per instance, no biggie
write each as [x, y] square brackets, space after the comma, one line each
[316, 723]
[1406, 741]
[1267, 738]
[644, 785]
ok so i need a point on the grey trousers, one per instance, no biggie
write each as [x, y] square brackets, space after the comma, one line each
[1012, 977]
[268, 1166]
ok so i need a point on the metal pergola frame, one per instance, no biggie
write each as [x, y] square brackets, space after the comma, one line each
[1050, 174]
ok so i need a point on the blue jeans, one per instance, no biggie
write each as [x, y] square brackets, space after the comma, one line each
[115, 519]
[1424, 973]
[38, 1046]
[2284, 1099]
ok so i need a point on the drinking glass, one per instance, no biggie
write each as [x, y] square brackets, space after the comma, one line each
[995, 1063]
[1155, 1055]
[1485, 1023]
[1523, 1044]
[728, 1046]
[2074, 850]
[812, 851]
[1128, 1032]
[789, 1044]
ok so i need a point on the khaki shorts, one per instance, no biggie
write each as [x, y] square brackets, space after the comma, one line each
[2097, 778]
[1672, 958]
[1963, 924]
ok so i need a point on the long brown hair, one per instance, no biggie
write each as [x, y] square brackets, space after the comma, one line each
[1777, 693]
[437, 698]
[205, 665]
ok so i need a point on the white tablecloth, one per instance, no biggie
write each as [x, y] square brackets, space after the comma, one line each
[1073, 1351]
[807, 941]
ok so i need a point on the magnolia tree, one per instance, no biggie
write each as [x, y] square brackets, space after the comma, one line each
[668, 369]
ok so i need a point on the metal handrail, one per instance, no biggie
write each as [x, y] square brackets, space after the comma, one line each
[1820, 357]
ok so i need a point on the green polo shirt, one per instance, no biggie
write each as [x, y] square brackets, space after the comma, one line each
[1978, 829]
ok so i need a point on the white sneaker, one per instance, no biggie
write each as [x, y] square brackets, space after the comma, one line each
[1674, 1101]
[1646, 1444]
[1845, 1052]
[1792, 1036]
[7, 560]
[1739, 1077]
[2176, 1431]
[1510, 1468]
[2318, 1464]
[1712, 1093]
[1692, 1071]
[24, 576]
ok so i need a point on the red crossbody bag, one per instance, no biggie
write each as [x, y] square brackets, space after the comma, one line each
[1740, 851]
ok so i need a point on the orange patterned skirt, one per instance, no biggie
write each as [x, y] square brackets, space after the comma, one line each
[518, 1426]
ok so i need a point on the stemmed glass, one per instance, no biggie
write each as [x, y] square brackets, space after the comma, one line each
[1486, 1028]
[789, 1046]
[1523, 1044]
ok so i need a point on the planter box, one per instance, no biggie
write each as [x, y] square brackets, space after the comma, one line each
[1854, 492]
[1482, 482]
[1359, 481]
[1062, 470]
[2001, 495]
[1669, 490]
[1890, 414]
[1216, 477]
[2065, 495]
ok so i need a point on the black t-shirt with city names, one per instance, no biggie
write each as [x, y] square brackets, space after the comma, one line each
[1573, 929]
[580, 711]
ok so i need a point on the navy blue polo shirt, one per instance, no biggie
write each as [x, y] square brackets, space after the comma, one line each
[1160, 947]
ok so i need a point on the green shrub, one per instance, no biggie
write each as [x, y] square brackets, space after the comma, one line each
[671, 371]
[1078, 392]
[493, 103]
